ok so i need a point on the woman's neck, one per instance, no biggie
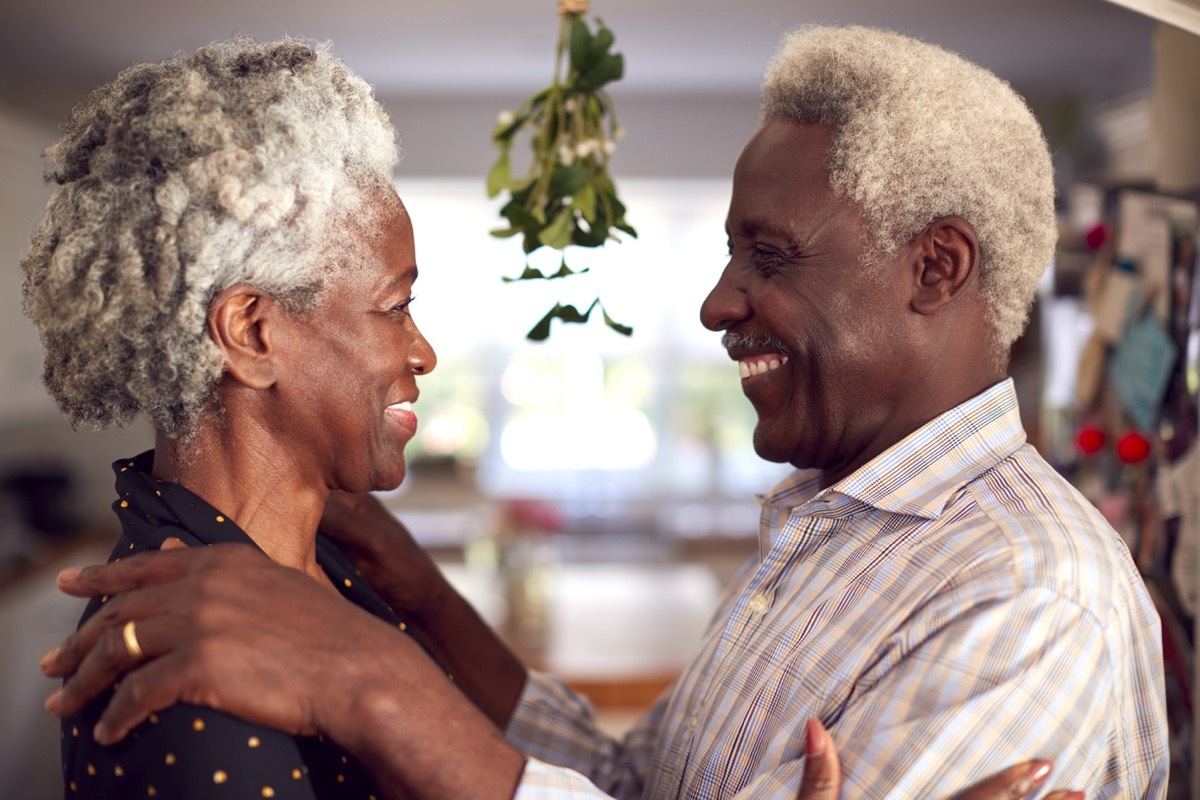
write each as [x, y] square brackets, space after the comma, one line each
[237, 468]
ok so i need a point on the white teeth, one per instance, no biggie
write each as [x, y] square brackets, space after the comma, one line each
[405, 406]
[760, 367]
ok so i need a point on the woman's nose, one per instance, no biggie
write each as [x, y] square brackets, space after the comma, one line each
[726, 304]
[421, 358]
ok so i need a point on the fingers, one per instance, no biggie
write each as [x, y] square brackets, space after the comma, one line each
[98, 654]
[141, 693]
[1010, 784]
[822, 771]
[109, 618]
[140, 570]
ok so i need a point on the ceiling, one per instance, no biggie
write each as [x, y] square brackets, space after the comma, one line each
[53, 51]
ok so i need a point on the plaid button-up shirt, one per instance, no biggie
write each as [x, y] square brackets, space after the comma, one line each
[951, 608]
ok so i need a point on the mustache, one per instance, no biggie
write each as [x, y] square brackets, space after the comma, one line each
[751, 341]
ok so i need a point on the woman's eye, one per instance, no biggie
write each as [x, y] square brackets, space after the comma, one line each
[402, 307]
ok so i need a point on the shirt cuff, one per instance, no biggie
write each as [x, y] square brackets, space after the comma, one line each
[541, 781]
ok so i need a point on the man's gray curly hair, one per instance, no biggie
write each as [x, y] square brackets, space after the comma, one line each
[231, 164]
[920, 134]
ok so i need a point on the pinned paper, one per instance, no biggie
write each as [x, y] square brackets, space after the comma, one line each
[1091, 370]
[1148, 227]
[1118, 294]
[1139, 370]
[1183, 477]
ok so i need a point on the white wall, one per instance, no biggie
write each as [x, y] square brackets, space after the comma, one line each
[686, 136]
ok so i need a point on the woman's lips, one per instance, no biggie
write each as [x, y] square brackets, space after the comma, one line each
[402, 413]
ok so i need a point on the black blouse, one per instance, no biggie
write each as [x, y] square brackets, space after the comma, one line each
[189, 751]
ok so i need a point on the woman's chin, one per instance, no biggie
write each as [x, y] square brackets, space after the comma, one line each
[391, 479]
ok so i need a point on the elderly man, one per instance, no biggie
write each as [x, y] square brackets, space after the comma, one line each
[928, 587]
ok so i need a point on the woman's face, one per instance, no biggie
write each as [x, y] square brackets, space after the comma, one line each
[348, 369]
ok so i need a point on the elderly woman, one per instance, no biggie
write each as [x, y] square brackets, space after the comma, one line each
[225, 254]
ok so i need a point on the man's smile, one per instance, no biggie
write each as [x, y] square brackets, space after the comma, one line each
[760, 365]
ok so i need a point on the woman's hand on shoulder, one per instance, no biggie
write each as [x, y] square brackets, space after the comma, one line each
[823, 775]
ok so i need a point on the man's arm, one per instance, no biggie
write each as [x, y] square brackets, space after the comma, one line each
[225, 627]
[410, 582]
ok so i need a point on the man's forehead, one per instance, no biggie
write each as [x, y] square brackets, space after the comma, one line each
[781, 184]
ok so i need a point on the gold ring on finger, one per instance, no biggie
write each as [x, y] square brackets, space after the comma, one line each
[131, 642]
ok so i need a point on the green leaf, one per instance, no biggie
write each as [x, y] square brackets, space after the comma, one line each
[531, 274]
[571, 315]
[624, 330]
[565, 181]
[585, 200]
[568, 314]
[625, 227]
[609, 68]
[600, 44]
[518, 217]
[590, 238]
[581, 42]
[558, 233]
[504, 233]
[500, 176]
[565, 272]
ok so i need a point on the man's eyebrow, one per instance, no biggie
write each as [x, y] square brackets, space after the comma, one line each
[760, 227]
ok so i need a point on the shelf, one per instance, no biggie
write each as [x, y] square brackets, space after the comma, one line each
[1183, 14]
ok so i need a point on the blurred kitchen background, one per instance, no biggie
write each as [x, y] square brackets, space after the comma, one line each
[593, 492]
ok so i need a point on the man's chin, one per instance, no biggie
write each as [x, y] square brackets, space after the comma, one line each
[768, 447]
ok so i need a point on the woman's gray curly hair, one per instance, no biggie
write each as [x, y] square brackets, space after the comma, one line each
[231, 164]
[919, 134]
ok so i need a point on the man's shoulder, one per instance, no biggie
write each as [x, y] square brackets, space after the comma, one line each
[1030, 521]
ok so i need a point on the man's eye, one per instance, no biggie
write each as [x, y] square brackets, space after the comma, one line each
[767, 261]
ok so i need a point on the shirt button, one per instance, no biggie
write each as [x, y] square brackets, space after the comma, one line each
[693, 722]
[759, 603]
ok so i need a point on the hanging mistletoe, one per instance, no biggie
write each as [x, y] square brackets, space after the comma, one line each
[567, 197]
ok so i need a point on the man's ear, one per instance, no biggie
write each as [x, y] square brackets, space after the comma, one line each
[241, 322]
[946, 262]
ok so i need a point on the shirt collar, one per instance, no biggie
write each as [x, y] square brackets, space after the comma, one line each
[919, 474]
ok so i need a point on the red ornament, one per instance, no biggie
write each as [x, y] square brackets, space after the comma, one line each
[1133, 448]
[1090, 440]
[1096, 236]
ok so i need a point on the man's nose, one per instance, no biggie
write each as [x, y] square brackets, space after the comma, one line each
[726, 304]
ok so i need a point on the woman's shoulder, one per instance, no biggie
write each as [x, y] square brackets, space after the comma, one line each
[192, 752]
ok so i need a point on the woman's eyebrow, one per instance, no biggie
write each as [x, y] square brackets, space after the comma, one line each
[408, 276]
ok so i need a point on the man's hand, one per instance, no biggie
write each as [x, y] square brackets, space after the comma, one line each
[227, 628]
[823, 775]
[206, 612]
[385, 553]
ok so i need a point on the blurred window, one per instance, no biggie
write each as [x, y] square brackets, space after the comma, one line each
[588, 416]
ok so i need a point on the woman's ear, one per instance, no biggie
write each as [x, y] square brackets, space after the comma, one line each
[241, 322]
[947, 261]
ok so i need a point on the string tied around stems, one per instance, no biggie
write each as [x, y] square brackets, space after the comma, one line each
[572, 7]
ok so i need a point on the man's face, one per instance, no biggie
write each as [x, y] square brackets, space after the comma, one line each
[820, 340]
